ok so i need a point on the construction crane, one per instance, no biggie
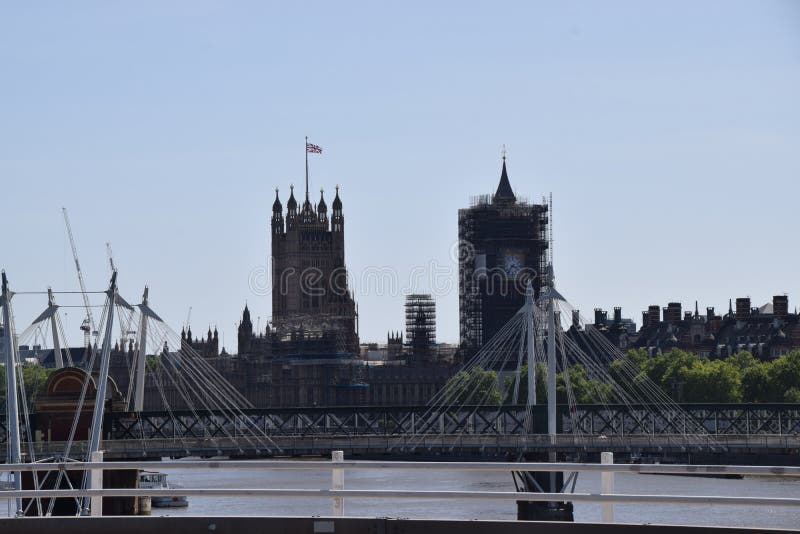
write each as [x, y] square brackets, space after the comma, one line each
[88, 324]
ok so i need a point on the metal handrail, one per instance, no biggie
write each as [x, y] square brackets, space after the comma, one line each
[607, 497]
[406, 494]
[321, 465]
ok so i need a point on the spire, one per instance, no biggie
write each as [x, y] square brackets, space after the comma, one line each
[322, 206]
[246, 314]
[291, 204]
[337, 202]
[504, 192]
[696, 310]
[276, 206]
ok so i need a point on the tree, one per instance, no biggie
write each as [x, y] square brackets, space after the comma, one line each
[522, 396]
[756, 383]
[34, 377]
[784, 376]
[585, 390]
[713, 381]
[477, 386]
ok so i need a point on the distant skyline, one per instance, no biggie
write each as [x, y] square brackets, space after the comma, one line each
[668, 134]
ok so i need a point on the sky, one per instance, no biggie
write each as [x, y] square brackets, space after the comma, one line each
[668, 134]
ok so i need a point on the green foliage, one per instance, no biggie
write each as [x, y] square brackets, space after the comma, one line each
[739, 378]
[586, 390]
[477, 386]
[522, 395]
[683, 376]
[713, 381]
[784, 377]
[34, 378]
[153, 362]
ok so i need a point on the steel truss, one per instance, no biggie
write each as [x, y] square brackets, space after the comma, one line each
[593, 420]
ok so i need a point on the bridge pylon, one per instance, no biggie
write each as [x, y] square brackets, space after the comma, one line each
[13, 455]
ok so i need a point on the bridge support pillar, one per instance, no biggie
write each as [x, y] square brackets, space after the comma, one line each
[607, 487]
[540, 481]
[96, 482]
[337, 483]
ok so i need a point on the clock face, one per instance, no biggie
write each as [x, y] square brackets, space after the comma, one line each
[512, 264]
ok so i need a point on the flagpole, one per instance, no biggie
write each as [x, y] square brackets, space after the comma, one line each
[306, 167]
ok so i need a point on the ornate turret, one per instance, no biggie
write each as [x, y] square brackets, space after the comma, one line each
[277, 215]
[291, 209]
[337, 220]
[291, 205]
[245, 331]
[322, 206]
[307, 216]
[276, 206]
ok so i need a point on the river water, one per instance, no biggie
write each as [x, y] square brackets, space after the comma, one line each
[778, 517]
[764, 517]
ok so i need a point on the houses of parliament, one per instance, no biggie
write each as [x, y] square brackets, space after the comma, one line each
[310, 353]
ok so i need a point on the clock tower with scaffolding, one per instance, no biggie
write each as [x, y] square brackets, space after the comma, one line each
[503, 244]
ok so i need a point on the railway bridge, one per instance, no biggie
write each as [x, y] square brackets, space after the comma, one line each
[733, 432]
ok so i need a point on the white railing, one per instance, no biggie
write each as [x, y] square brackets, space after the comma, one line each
[337, 493]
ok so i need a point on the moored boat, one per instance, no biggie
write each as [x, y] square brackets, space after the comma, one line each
[158, 480]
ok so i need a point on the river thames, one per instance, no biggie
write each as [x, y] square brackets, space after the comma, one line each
[777, 517]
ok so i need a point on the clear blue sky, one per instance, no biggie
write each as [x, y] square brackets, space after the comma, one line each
[668, 133]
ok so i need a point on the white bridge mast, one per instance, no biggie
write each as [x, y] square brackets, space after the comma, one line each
[102, 381]
[59, 359]
[12, 406]
[141, 356]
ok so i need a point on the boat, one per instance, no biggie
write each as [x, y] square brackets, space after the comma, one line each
[158, 480]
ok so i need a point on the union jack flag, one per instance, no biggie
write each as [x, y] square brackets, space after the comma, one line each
[314, 149]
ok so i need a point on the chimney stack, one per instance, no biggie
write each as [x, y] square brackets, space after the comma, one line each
[617, 314]
[742, 308]
[653, 315]
[576, 319]
[780, 306]
[673, 313]
[600, 317]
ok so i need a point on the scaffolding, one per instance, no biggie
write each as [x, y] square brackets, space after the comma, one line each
[490, 292]
[421, 325]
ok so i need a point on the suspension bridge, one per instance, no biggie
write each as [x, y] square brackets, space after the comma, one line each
[514, 413]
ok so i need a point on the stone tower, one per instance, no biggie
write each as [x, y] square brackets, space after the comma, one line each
[310, 295]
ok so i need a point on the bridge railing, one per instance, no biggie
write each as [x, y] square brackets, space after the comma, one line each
[405, 444]
[337, 492]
